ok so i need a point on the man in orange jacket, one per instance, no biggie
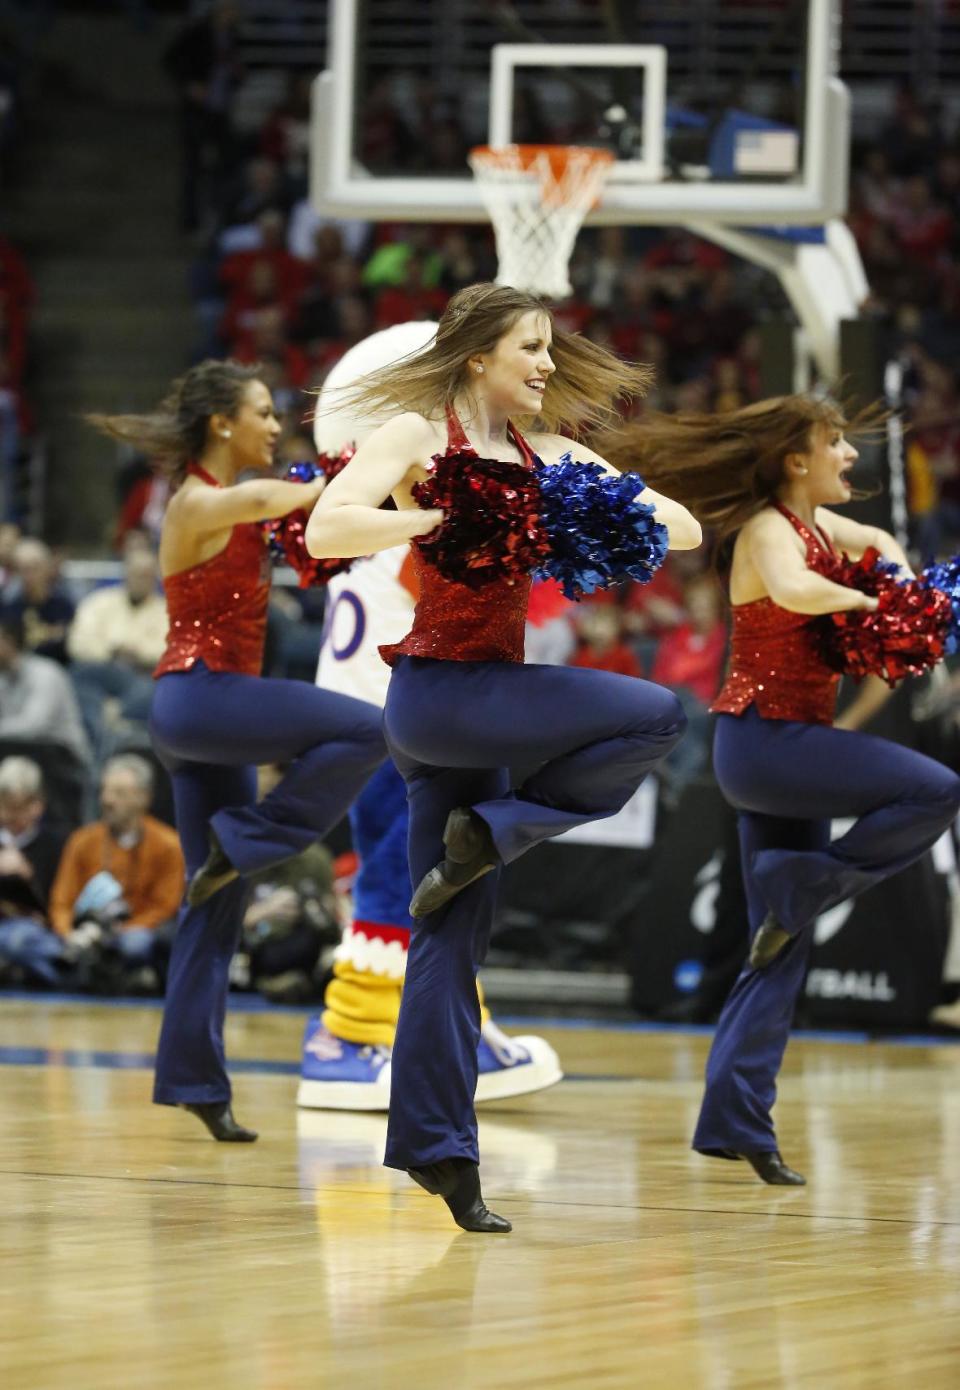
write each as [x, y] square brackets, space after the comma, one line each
[125, 868]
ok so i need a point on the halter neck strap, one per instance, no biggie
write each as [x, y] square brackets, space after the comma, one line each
[457, 438]
[805, 532]
[198, 472]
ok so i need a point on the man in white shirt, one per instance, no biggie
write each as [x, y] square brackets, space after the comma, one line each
[117, 638]
[37, 702]
[124, 623]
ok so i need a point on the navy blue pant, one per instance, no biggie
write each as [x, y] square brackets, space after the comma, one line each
[787, 781]
[210, 729]
[453, 729]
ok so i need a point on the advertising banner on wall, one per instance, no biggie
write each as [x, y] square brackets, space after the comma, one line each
[877, 960]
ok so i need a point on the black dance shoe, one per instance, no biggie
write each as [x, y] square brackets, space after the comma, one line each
[215, 874]
[471, 853]
[768, 942]
[218, 1118]
[772, 1169]
[457, 1181]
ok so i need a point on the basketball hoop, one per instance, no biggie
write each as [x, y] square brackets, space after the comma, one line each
[537, 197]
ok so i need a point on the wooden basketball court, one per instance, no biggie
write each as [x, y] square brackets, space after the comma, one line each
[136, 1252]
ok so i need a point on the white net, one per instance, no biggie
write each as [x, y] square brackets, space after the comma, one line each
[537, 197]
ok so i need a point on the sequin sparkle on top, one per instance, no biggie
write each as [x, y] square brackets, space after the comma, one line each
[452, 622]
[218, 609]
[775, 661]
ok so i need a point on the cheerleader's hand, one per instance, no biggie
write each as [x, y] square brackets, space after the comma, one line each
[422, 523]
[868, 604]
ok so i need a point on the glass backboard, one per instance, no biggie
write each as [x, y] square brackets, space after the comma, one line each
[713, 108]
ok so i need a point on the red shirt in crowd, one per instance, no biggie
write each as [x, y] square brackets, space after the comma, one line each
[691, 659]
[619, 659]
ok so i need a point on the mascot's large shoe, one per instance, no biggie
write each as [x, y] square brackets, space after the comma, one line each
[337, 1075]
[514, 1066]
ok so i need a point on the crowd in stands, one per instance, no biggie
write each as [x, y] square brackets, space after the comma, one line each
[905, 214]
[94, 908]
[17, 424]
[89, 880]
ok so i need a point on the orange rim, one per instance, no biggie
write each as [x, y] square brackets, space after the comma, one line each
[562, 161]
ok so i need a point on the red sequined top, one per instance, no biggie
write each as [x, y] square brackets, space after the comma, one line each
[218, 609]
[454, 623]
[775, 661]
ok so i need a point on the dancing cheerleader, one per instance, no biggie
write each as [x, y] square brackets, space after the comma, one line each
[767, 477]
[461, 706]
[214, 717]
[346, 1050]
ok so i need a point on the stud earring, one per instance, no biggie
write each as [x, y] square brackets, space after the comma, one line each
[224, 434]
[479, 371]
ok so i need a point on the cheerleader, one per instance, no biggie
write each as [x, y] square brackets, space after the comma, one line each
[214, 717]
[346, 1049]
[768, 477]
[461, 706]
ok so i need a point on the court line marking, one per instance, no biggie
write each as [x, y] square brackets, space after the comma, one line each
[254, 1004]
[98, 1060]
[318, 1188]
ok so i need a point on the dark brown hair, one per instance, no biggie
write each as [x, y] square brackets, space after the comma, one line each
[727, 467]
[583, 390]
[176, 432]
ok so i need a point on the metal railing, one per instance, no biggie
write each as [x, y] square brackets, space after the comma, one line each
[881, 40]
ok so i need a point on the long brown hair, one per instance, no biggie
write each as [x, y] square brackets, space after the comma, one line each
[583, 391]
[727, 467]
[176, 432]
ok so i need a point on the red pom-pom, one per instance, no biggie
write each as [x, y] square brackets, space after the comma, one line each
[491, 529]
[332, 464]
[286, 540]
[904, 636]
[285, 535]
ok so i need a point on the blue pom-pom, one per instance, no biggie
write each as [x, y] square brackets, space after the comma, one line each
[304, 472]
[597, 529]
[945, 575]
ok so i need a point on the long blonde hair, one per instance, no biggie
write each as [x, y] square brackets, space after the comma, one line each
[582, 392]
[727, 467]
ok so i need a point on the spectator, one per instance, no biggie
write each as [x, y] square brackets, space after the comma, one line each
[291, 917]
[37, 702]
[30, 849]
[9, 541]
[388, 264]
[9, 437]
[601, 646]
[124, 873]
[143, 502]
[42, 600]
[689, 660]
[306, 222]
[690, 657]
[123, 624]
[652, 609]
[116, 640]
[549, 638]
[261, 188]
[286, 136]
[418, 297]
[264, 274]
[203, 61]
[26, 825]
